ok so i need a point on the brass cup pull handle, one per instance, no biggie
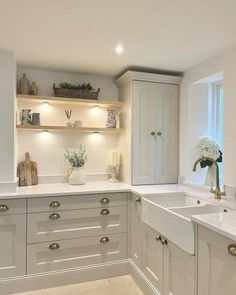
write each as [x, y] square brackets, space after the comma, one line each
[104, 201]
[54, 216]
[54, 204]
[3, 208]
[104, 212]
[54, 246]
[232, 249]
[104, 240]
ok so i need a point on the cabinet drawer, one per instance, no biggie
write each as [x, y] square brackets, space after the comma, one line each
[76, 202]
[44, 257]
[49, 226]
[8, 207]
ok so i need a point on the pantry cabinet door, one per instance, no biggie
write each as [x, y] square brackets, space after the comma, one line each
[136, 230]
[12, 245]
[167, 133]
[144, 123]
[152, 258]
[216, 266]
[179, 271]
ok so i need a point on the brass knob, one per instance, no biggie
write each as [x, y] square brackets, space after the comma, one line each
[138, 200]
[164, 241]
[158, 238]
[104, 240]
[4, 208]
[54, 204]
[54, 246]
[153, 133]
[104, 212]
[54, 216]
[232, 249]
[104, 201]
[159, 133]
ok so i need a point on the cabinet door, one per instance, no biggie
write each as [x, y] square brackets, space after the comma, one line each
[135, 230]
[216, 267]
[179, 271]
[167, 128]
[144, 122]
[12, 245]
[153, 258]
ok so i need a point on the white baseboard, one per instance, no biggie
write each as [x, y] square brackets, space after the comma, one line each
[143, 283]
[64, 277]
[77, 275]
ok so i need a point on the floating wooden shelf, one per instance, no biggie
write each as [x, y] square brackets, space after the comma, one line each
[71, 129]
[114, 104]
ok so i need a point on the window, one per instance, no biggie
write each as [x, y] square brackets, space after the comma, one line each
[216, 102]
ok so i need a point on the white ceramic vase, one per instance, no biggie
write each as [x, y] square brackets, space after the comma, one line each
[77, 176]
[210, 176]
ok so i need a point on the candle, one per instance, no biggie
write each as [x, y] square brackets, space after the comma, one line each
[114, 158]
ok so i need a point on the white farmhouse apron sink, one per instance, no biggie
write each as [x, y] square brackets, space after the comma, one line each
[170, 215]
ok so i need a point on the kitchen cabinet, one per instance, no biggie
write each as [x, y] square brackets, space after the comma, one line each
[155, 121]
[149, 120]
[216, 263]
[179, 270]
[153, 258]
[136, 229]
[12, 244]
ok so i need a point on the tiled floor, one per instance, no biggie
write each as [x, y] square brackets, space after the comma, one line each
[123, 285]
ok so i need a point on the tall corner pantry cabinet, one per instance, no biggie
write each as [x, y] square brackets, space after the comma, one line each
[150, 118]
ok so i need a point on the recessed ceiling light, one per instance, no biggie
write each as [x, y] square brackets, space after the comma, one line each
[119, 49]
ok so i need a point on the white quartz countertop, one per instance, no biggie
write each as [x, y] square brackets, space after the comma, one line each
[222, 223]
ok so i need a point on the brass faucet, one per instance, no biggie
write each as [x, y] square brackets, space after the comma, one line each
[218, 193]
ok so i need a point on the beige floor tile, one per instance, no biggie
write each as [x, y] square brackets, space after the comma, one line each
[123, 285]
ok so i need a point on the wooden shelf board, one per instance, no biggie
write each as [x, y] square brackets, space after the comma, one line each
[78, 101]
[64, 128]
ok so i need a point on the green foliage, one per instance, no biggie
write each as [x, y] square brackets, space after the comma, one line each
[83, 86]
[76, 159]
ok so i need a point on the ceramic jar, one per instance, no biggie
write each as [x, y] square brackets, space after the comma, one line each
[34, 89]
[112, 119]
[77, 176]
[24, 85]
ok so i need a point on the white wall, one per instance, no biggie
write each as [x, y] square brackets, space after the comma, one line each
[7, 122]
[225, 62]
[47, 149]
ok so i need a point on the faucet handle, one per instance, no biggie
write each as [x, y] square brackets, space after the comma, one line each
[224, 190]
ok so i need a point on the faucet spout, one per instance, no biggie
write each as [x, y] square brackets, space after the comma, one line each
[217, 190]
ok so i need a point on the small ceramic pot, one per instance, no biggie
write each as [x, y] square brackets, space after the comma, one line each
[77, 176]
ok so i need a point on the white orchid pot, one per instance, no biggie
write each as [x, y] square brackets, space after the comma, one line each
[77, 176]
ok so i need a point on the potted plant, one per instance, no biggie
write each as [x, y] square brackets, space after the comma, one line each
[77, 160]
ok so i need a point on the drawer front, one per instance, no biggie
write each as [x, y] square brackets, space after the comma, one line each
[44, 257]
[8, 207]
[50, 204]
[47, 226]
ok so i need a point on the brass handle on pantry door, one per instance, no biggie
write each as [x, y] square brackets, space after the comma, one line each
[153, 133]
[232, 249]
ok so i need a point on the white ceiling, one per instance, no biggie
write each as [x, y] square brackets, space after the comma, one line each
[81, 35]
